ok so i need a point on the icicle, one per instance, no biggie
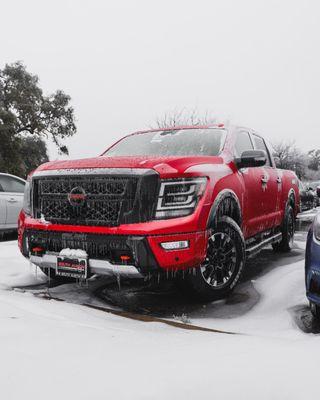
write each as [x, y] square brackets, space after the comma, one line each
[119, 281]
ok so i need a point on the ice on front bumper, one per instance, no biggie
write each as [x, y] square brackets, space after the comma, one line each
[73, 253]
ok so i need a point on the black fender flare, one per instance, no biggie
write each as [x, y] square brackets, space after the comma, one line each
[228, 196]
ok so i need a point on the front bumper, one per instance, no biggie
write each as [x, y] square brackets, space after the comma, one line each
[96, 267]
[110, 253]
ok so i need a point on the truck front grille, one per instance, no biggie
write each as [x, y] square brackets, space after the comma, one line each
[94, 200]
[102, 199]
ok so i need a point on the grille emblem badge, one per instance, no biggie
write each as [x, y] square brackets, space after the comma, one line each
[77, 197]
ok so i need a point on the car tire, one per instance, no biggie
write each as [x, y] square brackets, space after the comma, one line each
[315, 310]
[287, 230]
[222, 268]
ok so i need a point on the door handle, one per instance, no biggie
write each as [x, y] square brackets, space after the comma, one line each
[12, 200]
[279, 180]
[264, 179]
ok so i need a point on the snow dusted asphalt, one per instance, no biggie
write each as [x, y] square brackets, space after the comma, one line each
[59, 350]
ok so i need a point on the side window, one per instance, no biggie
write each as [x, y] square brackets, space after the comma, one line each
[243, 143]
[9, 184]
[259, 144]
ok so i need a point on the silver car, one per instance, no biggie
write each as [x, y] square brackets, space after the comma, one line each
[11, 201]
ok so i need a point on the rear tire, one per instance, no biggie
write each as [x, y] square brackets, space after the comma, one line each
[315, 310]
[288, 230]
[223, 265]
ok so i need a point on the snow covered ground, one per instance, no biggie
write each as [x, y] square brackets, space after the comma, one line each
[61, 349]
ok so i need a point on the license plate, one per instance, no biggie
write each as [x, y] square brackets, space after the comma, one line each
[72, 267]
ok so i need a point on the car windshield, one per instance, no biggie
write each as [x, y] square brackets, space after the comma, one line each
[176, 142]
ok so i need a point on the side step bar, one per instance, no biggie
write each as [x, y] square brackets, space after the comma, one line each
[255, 249]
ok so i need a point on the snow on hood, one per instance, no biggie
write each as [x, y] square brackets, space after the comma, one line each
[160, 164]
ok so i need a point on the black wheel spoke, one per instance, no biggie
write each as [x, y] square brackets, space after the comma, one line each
[220, 263]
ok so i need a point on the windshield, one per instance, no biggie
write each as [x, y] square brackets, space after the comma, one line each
[180, 142]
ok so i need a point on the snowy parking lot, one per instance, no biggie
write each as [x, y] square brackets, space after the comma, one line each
[103, 341]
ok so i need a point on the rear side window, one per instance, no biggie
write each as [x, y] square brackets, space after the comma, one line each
[259, 144]
[9, 184]
[243, 143]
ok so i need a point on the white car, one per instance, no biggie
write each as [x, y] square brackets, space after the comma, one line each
[11, 201]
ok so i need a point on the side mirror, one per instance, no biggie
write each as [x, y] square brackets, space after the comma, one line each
[318, 191]
[252, 158]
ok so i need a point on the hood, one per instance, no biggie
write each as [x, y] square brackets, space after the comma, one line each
[163, 165]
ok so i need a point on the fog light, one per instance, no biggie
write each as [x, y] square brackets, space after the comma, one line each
[181, 244]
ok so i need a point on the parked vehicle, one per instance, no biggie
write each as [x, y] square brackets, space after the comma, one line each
[312, 267]
[308, 197]
[315, 185]
[11, 201]
[190, 202]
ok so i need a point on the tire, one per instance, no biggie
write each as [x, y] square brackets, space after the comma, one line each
[288, 230]
[223, 266]
[315, 310]
[51, 274]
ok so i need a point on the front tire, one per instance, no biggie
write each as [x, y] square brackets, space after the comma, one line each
[223, 265]
[288, 231]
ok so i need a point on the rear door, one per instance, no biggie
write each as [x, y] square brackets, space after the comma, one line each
[12, 196]
[270, 187]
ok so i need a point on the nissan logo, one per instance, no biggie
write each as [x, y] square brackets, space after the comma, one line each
[77, 197]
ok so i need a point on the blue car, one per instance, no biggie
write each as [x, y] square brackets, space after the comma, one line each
[313, 267]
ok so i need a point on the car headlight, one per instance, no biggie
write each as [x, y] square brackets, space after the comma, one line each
[179, 197]
[27, 203]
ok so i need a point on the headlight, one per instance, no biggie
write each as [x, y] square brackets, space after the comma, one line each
[178, 198]
[27, 198]
[316, 227]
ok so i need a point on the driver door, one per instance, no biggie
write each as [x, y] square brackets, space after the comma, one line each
[253, 205]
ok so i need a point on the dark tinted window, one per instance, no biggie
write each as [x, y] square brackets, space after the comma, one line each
[9, 184]
[243, 143]
[259, 144]
[182, 142]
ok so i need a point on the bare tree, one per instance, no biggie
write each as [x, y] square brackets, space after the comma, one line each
[314, 159]
[288, 156]
[184, 117]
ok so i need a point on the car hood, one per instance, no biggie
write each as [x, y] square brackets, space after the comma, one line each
[163, 165]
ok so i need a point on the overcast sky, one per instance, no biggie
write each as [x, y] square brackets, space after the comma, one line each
[254, 62]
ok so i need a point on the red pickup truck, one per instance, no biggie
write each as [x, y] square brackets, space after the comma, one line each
[189, 202]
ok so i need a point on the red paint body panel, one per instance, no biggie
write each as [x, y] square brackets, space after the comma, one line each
[262, 206]
[180, 259]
